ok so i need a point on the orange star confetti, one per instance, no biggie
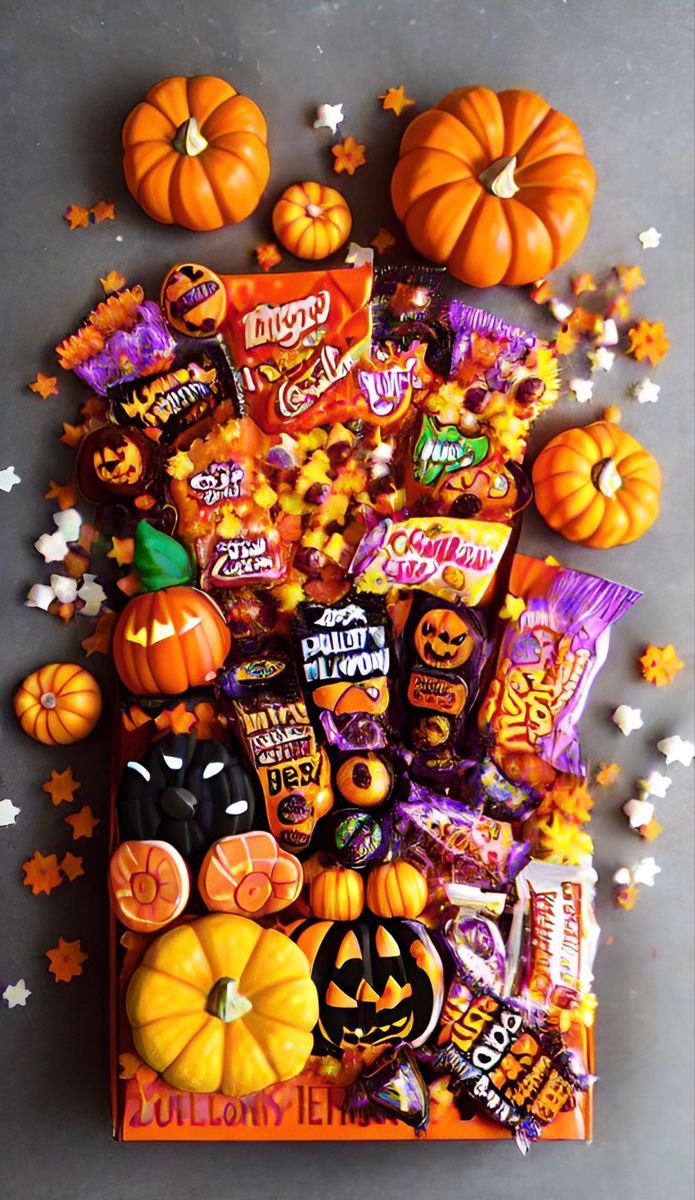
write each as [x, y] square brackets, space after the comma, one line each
[626, 896]
[630, 278]
[66, 960]
[648, 341]
[133, 1067]
[41, 873]
[584, 282]
[64, 493]
[660, 664]
[613, 414]
[651, 831]
[99, 641]
[72, 434]
[268, 256]
[76, 216]
[122, 550]
[95, 409]
[395, 100]
[61, 786]
[348, 155]
[541, 292]
[130, 583]
[178, 720]
[112, 282]
[83, 823]
[570, 796]
[382, 240]
[103, 211]
[44, 385]
[71, 866]
[208, 724]
[566, 340]
[607, 774]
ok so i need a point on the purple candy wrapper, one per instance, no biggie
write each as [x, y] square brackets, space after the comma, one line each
[147, 347]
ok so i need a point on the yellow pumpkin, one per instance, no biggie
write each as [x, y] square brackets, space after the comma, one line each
[223, 1005]
[397, 889]
[311, 220]
[337, 894]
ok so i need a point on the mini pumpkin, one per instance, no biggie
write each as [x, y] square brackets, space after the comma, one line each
[58, 704]
[311, 220]
[195, 153]
[194, 299]
[597, 485]
[250, 875]
[379, 982]
[397, 889]
[223, 1005]
[149, 885]
[364, 780]
[187, 793]
[337, 894]
[443, 639]
[495, 185]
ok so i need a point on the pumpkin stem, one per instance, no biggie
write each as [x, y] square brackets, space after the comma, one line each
[606, 478]
[48, 700]
[188, 139]
[226, 1001]
[313, 211]
[498, 178]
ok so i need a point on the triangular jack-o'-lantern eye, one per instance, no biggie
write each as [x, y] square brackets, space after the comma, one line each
[192, 619]
[337, 998]
[386, 944]
[139, 636]
[349, 949]
[366, 992]
[161, 630]
[392, 994]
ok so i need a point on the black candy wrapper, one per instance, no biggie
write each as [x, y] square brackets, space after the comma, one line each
[407, 307]
[393, 1087]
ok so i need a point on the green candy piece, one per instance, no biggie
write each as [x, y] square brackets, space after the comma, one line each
[160, 560]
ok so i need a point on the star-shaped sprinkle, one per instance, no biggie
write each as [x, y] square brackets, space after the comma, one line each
[645, 871]
[655, 784]
[71, 866]
[609, 334]
[93, 596]
[112, 282]
[69, 522]
[676, 750]
[627, 719]
[638, 812]
[82, 823]
[8, 812]
[648, 341]
[651, 831]
[122, 550]
[601, 359]
[660, 664]
[16, 994]
[103, 211]
[99, 641]
[178, 719]
[64, 588]
[61, 786]
[584, 282]
[382, 240]
[541, 292]
[560, 309]
[395, 100]
[650, 238]
[72, 434]
[329, 116]
[41, 873]
[622, 877]
[8, 479]
[348, 155]
[512, 607]
[66, 960]
[44, 385]
[566, 340]
[359, 256]
[40, 595]
[582, 390]
[613, 414]
[645, 392]
[51, 546]
[268, 256]
[607, 774]
[64, 493]
[76, 216]
[629, 278]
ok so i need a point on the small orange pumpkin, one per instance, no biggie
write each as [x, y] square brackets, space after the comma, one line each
[397, 889]
[169, 641]
[58, 704]
[494, 185]
[248, 874]
[149, 885]
[195, 153]
[597, 485]
[311, 220]
[337, 894]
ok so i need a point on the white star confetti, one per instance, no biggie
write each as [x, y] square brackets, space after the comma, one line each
[52, 546]
[622, 877]
[627, 719]
[676, 750]
[582, 389]
[645, 392]
[8, 812]
[650, 238]
[357, 256]
[16, 994]
[329, 116]
[560, 309]
[93, 595]
[638, 812]
[69, 523]
[40, 595]
[601, 359]
[8, 479]
[655, 784]
[64, 588]
[645, 871]
[610, 335]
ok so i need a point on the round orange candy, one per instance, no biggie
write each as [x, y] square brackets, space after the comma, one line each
[58, 704]
[311, 220]
[249, 875]
[149, 885]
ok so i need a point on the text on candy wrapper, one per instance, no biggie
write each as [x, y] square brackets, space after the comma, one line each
[285, 324]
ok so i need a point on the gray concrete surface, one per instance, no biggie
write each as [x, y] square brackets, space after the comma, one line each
[70, 72]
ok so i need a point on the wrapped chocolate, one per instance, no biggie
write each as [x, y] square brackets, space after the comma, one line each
[554, 934]
[548, 659]
[393, 1087]
[343, 660]
[278, 738]
[355, 838]
[123, 337]
[474, 936]
[386, 380]
[178, 399]
[408, 307]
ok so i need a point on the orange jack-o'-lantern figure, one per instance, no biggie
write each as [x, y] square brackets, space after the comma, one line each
[115, 464]
[194, 299]
[443, 639]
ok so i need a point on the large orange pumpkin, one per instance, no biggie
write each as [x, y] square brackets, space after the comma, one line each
[494, 185]
[168, 641]
[597, 485]
[58, 704]
[311, 220]
[195, 153]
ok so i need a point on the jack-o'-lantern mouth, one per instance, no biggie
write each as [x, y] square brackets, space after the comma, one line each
[123, 465]
[159, 631]
[375, 1035]
[440, 653]
[196, 295]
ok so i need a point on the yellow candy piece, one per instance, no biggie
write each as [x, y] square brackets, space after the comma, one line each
[264, 496]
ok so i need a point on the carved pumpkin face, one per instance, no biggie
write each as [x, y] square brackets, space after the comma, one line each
[115, 464]
[379, 982]
[168, 641]
[186, 793]
[443, 639]
[194, 299]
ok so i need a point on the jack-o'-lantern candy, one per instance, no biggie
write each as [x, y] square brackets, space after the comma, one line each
[58, 704]
[249, 874]
[167, 405]
[364, 780]
[194, 299]
[149, 885]
[379, 982]
[117, 466]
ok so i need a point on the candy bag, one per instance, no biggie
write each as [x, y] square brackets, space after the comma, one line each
[123, 337]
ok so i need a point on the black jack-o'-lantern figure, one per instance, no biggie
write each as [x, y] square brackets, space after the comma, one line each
[186, 792]
[194, 299]
[115, 464]
[380, 982]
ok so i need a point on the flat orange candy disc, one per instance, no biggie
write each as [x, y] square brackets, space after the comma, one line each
[149, 885]
[249, 875]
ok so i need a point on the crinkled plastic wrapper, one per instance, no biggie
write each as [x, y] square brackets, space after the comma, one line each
[191, 390]
[122, 338]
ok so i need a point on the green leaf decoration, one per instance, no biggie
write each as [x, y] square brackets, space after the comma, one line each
[160, 560]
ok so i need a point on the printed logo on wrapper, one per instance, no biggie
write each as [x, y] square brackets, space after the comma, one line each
[285, 324]
[218, 482]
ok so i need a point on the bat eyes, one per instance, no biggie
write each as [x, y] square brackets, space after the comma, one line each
[173, 762]
[136, 766]
[212, 768]
[236, 807]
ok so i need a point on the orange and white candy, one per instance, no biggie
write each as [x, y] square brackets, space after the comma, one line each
[249, 875]
[149, 884]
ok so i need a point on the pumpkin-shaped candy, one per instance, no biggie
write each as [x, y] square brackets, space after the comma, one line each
[250, 875]
[194, 299]
[496, 186]
[337, 894]
[364, 780]
[187, 793]
[597, 485]
[396, 889]
[149, 885]
[379, 982]
[311, 220]
[195, 153]
[223, 1005]
[58, 704]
